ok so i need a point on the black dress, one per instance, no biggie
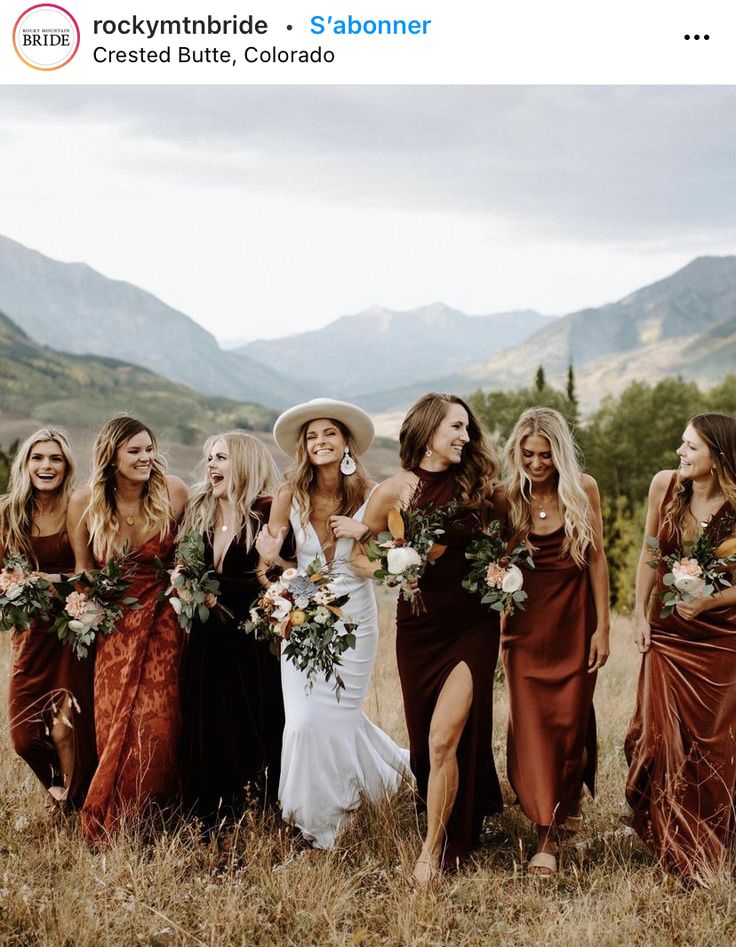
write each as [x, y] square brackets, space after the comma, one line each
[455, 628]
[232, 708]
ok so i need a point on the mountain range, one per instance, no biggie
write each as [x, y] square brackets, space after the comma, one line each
[380, 348]
[52, 387]
[684, 324]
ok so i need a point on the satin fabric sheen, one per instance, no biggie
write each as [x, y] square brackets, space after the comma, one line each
[44, 672]
[681, 744]
[551, 749]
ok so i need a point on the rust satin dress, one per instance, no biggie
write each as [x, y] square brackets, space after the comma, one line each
[681, 744]
[551, 749]
[455, 628]
[44, 672]
[137, 704]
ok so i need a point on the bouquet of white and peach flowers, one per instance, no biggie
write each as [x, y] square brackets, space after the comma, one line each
[700, 568]
[24, 594]
[301, 612]
[495, 573]
[404, 550]
[192, 583]
[92, 603]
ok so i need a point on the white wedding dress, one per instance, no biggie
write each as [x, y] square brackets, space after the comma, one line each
[332, 753]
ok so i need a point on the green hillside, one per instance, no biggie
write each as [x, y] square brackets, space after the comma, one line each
[83, 390]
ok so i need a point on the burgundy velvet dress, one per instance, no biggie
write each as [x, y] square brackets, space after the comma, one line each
[233, 711]
[137, 710]
[551, 749]
[455, 628]
[44, 672]
[681, 744]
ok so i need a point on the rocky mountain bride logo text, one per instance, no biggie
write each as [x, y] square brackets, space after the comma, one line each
[46, 36]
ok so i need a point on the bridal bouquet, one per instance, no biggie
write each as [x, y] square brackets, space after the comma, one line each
[301, 610]
[24, 594]
[404, 550]
[495, 573]
[92, 604]
[700, 568]
[192, 582]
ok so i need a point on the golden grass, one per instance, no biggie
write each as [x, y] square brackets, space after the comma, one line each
[258, 888]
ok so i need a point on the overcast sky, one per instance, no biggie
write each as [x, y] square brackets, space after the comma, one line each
[261, 211]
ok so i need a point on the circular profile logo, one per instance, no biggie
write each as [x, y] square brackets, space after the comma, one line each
[46, 36]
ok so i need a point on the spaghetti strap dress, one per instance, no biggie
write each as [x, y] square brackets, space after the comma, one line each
[455, 628]
[233, 711]
[333, 754]
[137, 703]
[552, 747]
[681, 744]
[44, 673]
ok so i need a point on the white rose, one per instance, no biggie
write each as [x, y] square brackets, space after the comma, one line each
[513, 580]
[689, 584]
[402, 558]
[288, 574]
[282, 609]
[322, 615]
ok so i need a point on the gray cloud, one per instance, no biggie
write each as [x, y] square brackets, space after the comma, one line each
[634, 164]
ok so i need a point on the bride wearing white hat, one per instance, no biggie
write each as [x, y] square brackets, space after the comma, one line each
[332, 753]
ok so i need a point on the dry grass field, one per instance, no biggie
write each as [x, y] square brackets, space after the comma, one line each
[165, 887]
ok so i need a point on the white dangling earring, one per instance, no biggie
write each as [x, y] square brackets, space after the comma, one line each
[347, 464]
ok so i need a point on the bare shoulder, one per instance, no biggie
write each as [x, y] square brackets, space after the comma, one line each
[660, 482]
[178, 490]
[79, 499]
[391, 490]
[590, 485]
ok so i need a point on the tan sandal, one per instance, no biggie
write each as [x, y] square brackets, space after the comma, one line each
[543, 863]
[572, 824]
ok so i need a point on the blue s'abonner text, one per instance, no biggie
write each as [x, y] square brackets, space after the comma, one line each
[352, 26]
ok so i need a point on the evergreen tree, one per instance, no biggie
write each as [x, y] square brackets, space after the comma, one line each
[540, 382]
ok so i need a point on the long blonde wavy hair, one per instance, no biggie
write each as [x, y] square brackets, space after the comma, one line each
[351, 489]
[577, 514]
[719, 433]
[253, 475]
[18, 505]
[103, 520]
[474, 477]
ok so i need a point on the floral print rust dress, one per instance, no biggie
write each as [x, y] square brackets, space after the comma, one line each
[137, 700]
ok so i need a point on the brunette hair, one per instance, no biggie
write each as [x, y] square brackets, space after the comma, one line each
[18, 505]
[253, 475]
[575, 506]
[103, 520]
[719, 433]
[476, 473]
[351, 488]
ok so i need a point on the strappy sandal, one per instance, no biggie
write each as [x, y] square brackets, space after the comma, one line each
[543, 864]
[572, 824]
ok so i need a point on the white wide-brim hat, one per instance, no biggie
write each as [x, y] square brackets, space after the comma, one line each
[356, 420]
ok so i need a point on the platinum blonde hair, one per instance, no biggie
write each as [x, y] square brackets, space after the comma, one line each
[253, 475]
[575, 507]
[18, 505]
